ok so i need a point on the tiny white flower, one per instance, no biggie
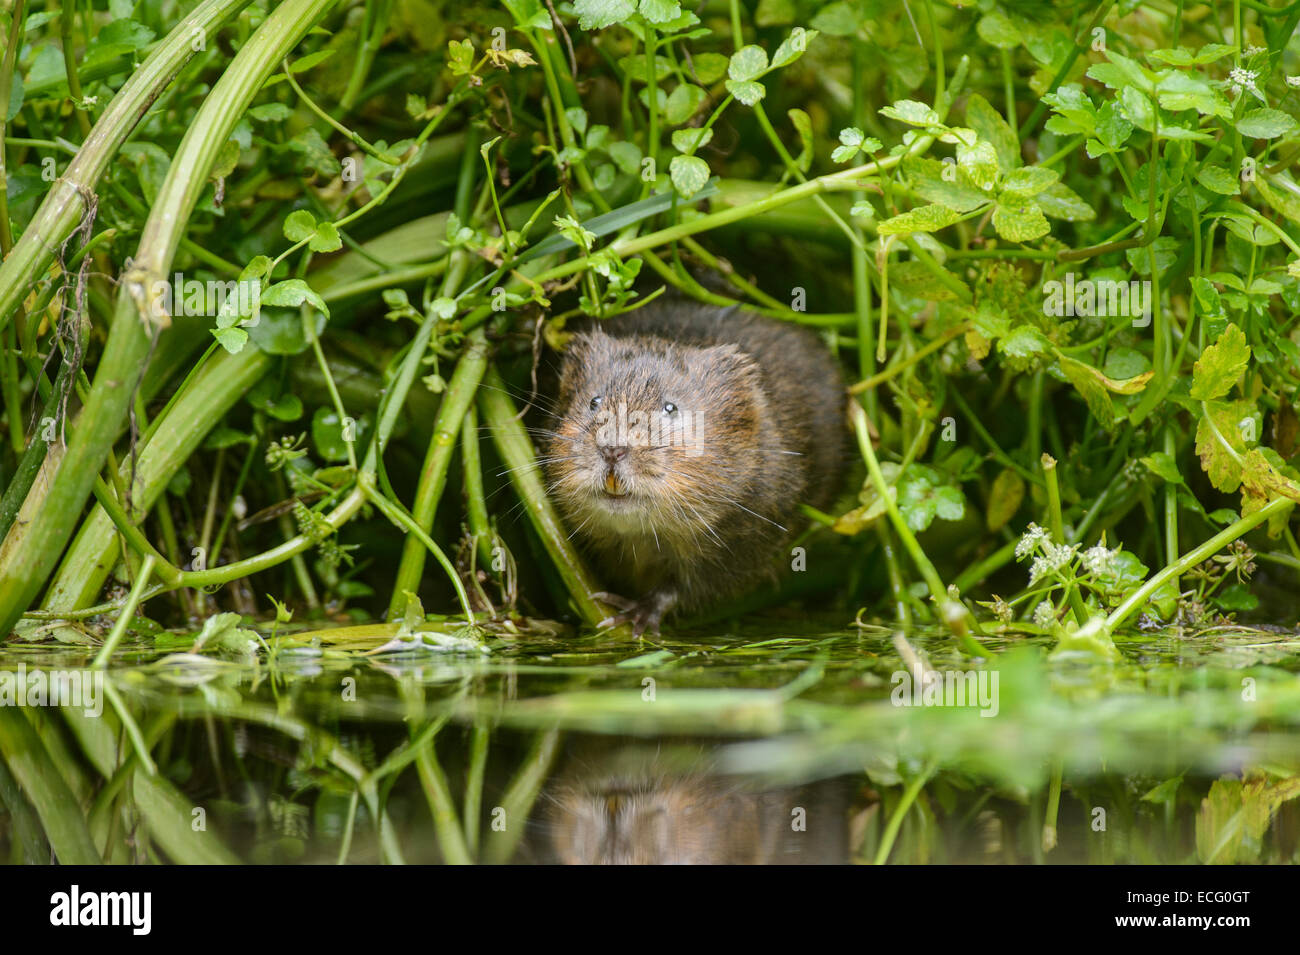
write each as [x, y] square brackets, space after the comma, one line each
[1293, 82]
[1252, 50]
[1044, 614]
[1029, 541]
[1097, 560]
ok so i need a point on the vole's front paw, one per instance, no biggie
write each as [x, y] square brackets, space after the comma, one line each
[644, 614]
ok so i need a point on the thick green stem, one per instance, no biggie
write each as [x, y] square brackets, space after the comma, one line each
[39, 777]
[27, 557]
[1239, 528]
[456, 401]
[65, 204]
[501, 417]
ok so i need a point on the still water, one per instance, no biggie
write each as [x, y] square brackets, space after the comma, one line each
[789, 742]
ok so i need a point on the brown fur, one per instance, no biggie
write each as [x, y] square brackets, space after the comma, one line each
[698, 514]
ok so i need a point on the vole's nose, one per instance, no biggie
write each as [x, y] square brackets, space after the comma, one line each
[612, 455]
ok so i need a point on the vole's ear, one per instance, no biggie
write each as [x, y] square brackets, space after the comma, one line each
[729, 362]
[577, 360]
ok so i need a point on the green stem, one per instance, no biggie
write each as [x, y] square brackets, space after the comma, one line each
[501, 418]
[1138, 598]
[456, 401]
[127, 612]
[12, 44]
[952, 612]
[910, 792]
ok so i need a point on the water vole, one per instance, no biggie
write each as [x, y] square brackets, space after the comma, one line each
[686, 438]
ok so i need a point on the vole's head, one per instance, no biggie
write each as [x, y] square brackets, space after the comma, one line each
[652, 434]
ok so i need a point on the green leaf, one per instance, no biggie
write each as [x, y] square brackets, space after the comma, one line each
[1113, 127]
[293, 293]
[996, 29]
[922, 219]
[326, 238]
[1162, 465]
[748, 92]
[689, 174]
[1005, 498]
[1062, 202]
[1030, 180]
[747, 63]
[709, 67]
[1019, 220]
[576, 115]
[1282, 194]
[1220, 365]
[1075, 113]
[598, 14]
[792, 47]
[993, 129]
[1122, 72]
[270, 112]
[327, 435]
[1178, 91]
[300, 225]
[626, 156]
[944, 183]
[690, 140]
[1219, 442]
[116, 38]
[923, 495]
[660, 11]
[1087, 381]
[838, 19]
[530, 14]
[303, 64]
[1180, 56]
[231, 339]
[911, 112]
[1265, 124]
[1218, 180]
[1024, 342]
[682, 103]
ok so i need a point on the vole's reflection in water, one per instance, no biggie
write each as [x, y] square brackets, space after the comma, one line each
[639, 803]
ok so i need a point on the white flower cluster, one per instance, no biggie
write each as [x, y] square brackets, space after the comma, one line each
[1033, 536]
[1044, 614]
[1054, 557]
[1098, 560]
[1243, 79]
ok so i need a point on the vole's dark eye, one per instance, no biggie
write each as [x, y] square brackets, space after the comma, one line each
[670, 408]
[595, 402]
